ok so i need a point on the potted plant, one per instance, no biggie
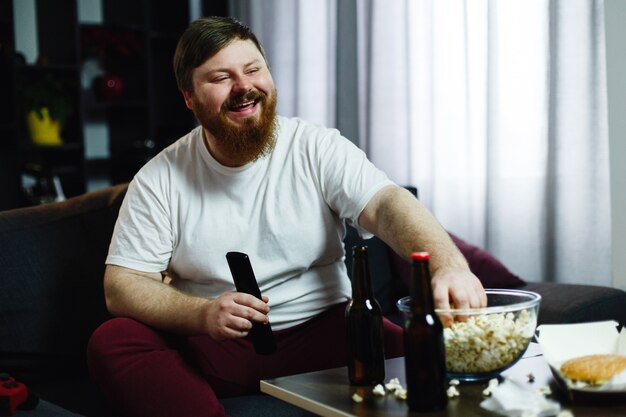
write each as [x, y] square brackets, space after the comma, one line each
[47, 105]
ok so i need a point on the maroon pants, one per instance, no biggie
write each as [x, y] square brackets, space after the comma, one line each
[144, 372]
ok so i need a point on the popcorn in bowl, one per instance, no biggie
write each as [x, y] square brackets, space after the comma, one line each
[481, 343]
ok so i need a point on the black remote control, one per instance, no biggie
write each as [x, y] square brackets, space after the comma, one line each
[245, 281]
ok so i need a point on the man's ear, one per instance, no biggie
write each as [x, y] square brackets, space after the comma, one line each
[188, 98]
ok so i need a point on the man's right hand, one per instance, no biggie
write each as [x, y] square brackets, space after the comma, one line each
[144, 297]
[231, 315]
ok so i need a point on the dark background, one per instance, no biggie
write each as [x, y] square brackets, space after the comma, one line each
[149, 115]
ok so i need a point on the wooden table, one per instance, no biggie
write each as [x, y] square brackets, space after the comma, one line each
[328, 393]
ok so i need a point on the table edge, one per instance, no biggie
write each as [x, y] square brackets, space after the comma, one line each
[301, 401]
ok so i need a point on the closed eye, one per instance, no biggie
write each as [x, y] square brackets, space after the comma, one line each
[219, 79]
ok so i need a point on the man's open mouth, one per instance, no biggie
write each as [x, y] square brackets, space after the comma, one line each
[243, 105]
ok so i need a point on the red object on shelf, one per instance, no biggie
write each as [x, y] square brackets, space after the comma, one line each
[108, 87]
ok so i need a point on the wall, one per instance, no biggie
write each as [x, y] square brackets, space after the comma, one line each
[615, 16]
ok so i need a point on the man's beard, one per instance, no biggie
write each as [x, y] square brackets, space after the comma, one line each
[249, 140]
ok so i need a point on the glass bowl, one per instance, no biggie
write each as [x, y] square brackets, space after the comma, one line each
[483, 342]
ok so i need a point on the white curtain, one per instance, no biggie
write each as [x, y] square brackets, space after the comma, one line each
[496, 110]
[299, 38]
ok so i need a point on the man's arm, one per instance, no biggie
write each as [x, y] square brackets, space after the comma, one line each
[144, 297]
[399, 219]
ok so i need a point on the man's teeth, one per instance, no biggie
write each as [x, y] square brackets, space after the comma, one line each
[242, 105]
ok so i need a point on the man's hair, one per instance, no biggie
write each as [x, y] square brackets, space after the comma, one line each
[204, 38]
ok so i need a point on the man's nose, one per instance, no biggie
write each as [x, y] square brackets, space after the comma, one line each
[241, 84]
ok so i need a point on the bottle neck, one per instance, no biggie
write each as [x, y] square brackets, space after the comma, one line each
[361, 279]
[421, 290]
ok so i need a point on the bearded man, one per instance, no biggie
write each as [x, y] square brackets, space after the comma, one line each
[246, 180]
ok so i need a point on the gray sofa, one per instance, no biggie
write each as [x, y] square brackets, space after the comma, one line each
[51, 299]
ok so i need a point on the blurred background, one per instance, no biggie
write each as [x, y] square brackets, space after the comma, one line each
[509, 117]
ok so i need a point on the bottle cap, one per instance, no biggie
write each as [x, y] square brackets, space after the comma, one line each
[420, 256]
[359, 249]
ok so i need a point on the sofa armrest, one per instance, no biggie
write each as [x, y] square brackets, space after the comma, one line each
[51, 292]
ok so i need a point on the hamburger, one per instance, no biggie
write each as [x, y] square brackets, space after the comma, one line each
[594, 370]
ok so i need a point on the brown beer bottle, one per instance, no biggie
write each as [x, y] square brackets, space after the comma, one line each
[424, 348]
[364, 323]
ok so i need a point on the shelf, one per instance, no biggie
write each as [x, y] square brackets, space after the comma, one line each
[160, 35]
[56, 32]
[30, 68]
[42, 170]
[113, 27]
[92, 103]
[66, 147]
[150, 115]
[152, 110]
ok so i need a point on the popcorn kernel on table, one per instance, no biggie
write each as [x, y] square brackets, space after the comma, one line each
[400, 393]
[379, 390]
[452, 392]
[357, 398]
[393, 384]
[493, 383]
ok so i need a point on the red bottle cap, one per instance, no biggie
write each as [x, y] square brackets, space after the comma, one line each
[420, 256]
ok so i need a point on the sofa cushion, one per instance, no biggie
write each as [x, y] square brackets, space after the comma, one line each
[51, 268]
[575, 303]
[489, 270]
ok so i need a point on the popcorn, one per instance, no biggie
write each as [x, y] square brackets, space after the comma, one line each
[487, 342]
[493, 383]
[400, 393]
[396, 387]
[452, 391]
[393, 384]
[379, 390]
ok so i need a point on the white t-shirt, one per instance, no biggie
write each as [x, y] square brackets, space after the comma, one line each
[184, 211]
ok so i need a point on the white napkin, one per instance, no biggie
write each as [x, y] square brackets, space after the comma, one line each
[617, 383]
[512, 398]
